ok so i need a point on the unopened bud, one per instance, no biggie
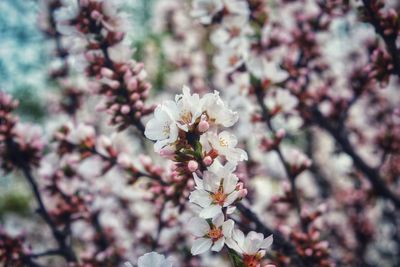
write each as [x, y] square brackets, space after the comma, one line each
[166, 152]
[95, 15]
[132, 84]
[203, 126]
[193, 165]
[106, 72]
[125, 109]
[208, 161]
[280, 133]
[243, 193]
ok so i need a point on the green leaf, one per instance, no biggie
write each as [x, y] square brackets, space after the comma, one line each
[235, 258]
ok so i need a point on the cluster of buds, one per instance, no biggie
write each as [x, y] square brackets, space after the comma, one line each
[386, 18]
[187, 131]
[119, 78]
[12, 252]
[21, 145]
[311, 248]
[380, 67]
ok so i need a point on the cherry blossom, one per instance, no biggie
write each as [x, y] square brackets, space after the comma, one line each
[210, 235]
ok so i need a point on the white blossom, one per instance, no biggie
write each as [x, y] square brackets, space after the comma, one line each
[217, 112]
[216, 190]
[163, 128]
[281, 100]
[252, 244]
[225, 144]
[204, 10]
[232, 32]
[210, 235]
[153, 259]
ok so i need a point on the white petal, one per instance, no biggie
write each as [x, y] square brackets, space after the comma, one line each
[227, 228]
[201, 198]
[253, 242]
[154, 130]
[238, 236]
[267, 242]
[230, 183]
[233, 245]
[198, 227]
[211, 211]
[218, 220]
[210, 181]
[219, 244]
[201, 245]
[231, 198]
[153, 259]
[198, 181]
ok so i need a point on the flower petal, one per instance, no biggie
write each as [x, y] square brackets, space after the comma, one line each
[218, 245]
[198, 227]
[227, 228]
[201, 245]
[201, 198]
[210, 212]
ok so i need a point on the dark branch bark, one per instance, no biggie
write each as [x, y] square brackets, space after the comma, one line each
[292, 177]
[280, 243]
[61, 239]
[370, 173]
[390, 40]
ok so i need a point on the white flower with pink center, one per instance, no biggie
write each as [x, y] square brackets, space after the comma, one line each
[225, 144]
[216, 190]
[210, 234]
[153, 259]
[204, 10]
[252, 247]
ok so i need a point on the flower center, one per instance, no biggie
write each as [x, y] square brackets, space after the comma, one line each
[215, 233]
[234, 32]
[250, 261]
[223, 142]
[210, 8]
[166, 130]
[186, 117]
[233, 60]
[219, 197]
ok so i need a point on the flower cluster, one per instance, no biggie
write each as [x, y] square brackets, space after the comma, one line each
[187, 131]
[98, 29]
[21, 145]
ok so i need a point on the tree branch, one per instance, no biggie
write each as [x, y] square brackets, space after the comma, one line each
[371, 173]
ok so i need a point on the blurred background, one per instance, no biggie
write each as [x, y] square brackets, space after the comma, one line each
[24, 73]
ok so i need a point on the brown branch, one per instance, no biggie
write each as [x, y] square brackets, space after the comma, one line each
[280, 242]
[372, 174]
[292, 177]
[389, 39]
[65, 249]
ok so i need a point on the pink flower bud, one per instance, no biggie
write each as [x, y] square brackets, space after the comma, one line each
[106, 72]
[193, 165]
[170, 191]
[125, 109]
[280, 133]
[114, 84]
[309, 252]
[139, 105]
[135, 97]
[132, 84]
[119, 36]
[203, 126]
[84, 3]
[242, 193]
[167, 152]
[239, 186]
[208, 161]
[95, 15]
